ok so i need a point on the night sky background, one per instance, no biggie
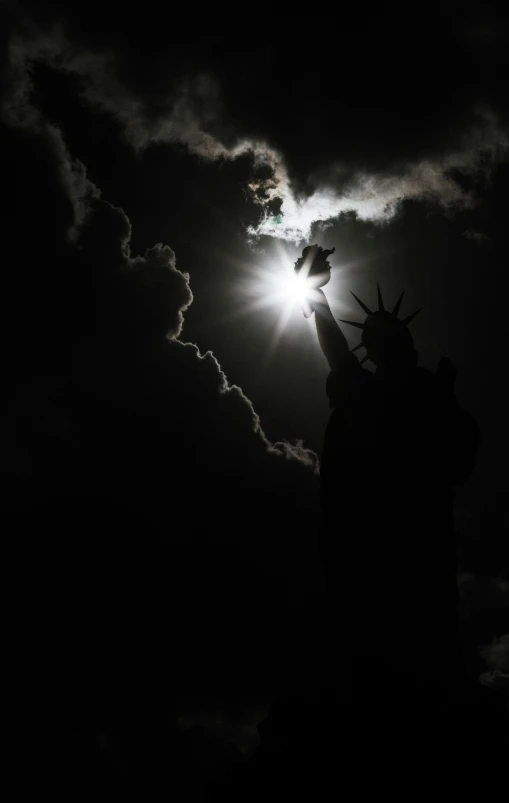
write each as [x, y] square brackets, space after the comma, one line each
[163, 416]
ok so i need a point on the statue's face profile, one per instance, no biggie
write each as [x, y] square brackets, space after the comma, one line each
[392, 354]
[387, 342]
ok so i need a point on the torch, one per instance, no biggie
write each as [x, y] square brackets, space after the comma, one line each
[313, 269]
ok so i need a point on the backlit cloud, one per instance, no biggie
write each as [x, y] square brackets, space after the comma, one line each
[190, 110]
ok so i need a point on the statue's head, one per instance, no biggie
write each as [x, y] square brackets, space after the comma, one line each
[387, 340]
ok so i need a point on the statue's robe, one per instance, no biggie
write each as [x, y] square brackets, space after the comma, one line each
[394, 450]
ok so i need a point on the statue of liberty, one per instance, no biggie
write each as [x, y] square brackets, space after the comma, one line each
[396, 445]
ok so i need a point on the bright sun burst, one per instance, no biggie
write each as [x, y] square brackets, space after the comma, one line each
[279, 284]
[295, 288]
[276, 285]
[275, 288]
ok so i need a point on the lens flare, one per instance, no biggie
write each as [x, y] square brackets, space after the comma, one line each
[277, 284]
[296, 288]
[272, 290]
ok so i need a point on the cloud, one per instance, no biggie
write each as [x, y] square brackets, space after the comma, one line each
[477, 237]
[375, 197]
[225, 728]
[496, 657]
[165, 499]
[307, 168]
[477, 592]
[496, 654]
[140, 296]
[139, 303]
[480, 595]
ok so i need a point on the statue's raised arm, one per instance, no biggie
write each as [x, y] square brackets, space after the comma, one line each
[315, 271]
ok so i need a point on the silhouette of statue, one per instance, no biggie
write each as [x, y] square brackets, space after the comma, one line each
[396, 445]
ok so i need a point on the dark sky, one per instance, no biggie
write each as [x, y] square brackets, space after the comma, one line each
[392, 114]
[153, 172]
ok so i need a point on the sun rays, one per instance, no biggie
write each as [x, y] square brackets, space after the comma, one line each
[276, 289]
[270, 291]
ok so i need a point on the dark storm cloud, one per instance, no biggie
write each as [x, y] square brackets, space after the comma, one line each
[140, 299]
[144, 296]
[478, 592]
[361, 119]
[106, 401]
[477, 237]
[496, 658]
[496, 654]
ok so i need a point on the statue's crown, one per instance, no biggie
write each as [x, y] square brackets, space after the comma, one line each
[381, 323]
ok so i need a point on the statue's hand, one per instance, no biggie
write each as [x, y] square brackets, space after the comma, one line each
[307, 309]
[317, 300]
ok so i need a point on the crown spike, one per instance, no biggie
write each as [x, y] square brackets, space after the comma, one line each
[395, 311]
[381, 307]
[352, 323]
[364, 360]
[361, 303]
[411, 317]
